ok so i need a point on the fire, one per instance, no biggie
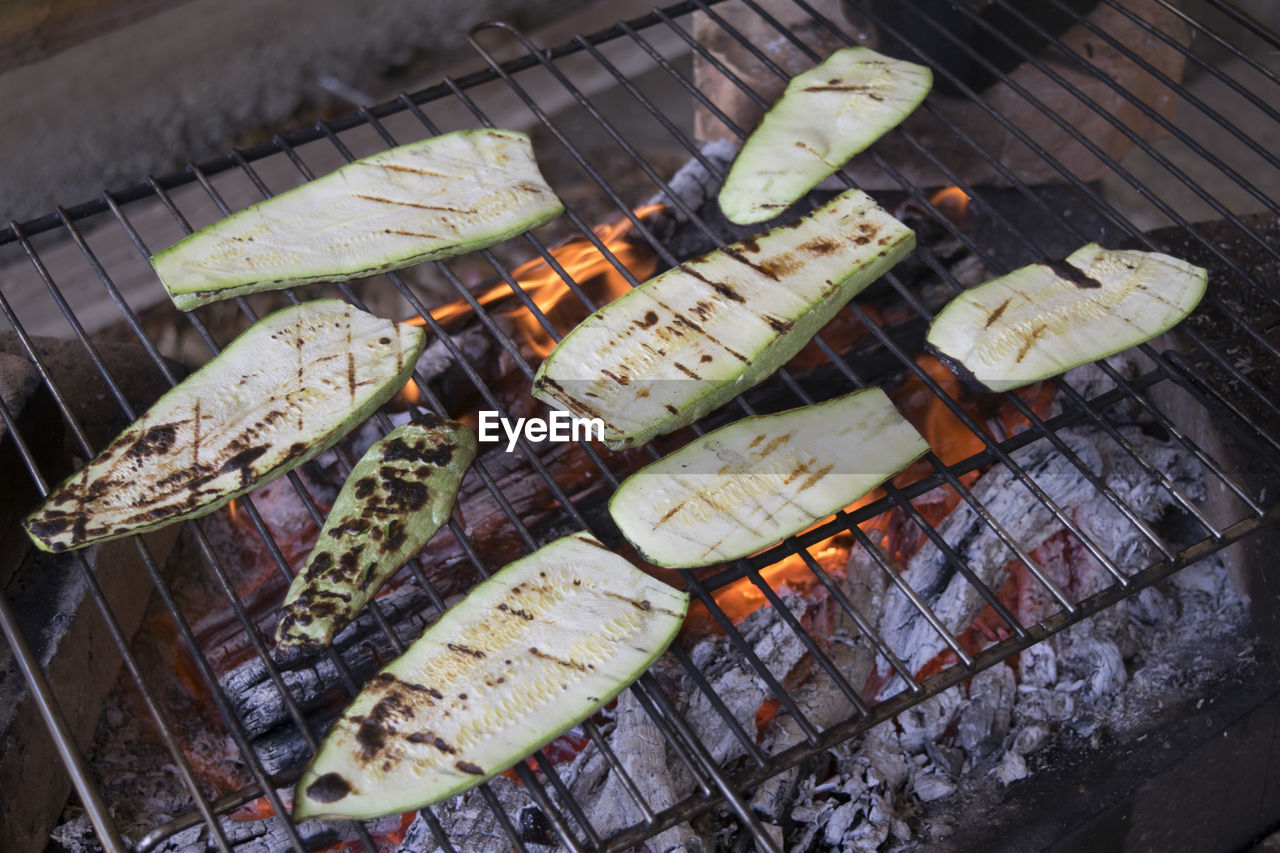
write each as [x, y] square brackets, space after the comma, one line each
[949, 439]
[593, 272]
[953, 203]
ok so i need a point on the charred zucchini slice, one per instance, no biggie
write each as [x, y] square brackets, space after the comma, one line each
[700, 334]
[431, 199]
[538, 647]
[394, 501]
[1044, 319]
[825, 116]
[289, 387]
[745, 486]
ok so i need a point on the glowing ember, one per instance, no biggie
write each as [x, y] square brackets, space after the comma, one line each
[594, 273]
[953, 203]
[950, 440]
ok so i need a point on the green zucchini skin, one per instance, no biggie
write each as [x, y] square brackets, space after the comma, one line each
[698, 335]
[396, 498]
[288, 388]
[825, 116]
[431, 199]
[532, 651]
[750, 484]
[1044, 319]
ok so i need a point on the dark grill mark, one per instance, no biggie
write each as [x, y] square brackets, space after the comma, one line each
[441, 208]
[402, 494]
[686, 371]
[466, 650]
[328, 788]
[434, 740]
[650, 317]
[395, 167]
[728, 292]
[1078, 277]
[523, 614]
[642, 604]
[468, 767]
[570, 664]
[778, 324]
[995, 315]
[241, 462]
[1031, 339]
[396, 533]
[155, 441]
[820, 246]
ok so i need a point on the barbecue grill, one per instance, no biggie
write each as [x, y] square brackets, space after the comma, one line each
[1223, 370]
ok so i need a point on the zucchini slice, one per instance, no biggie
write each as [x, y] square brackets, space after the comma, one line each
[532, 651]
[394, 501]
[431, 199]
[698, 335]
[292, 385]
[825, 116]
[747, 485]
[1044, 319]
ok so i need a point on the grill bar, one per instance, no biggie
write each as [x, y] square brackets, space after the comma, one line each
[714, 784]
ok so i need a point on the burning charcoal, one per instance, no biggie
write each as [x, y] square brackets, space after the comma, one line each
[1096, 663]
[873, 830]
[946, 759]
[736, 682]
[470, 823]
[1030, 738]
[417, 837]
[883, 753]
[984, 722]
[955, 601]
[1039, 703]
[932, 786]
[314, 681]
[660, 776]
[929, 719]
[1011, 768]
[1038, 665]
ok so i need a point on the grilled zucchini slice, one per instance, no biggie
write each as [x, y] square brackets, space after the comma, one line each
[1044, 319]
[394, 501]
[431, 199]
[683, 343]
[745, 486]
[289, 387]
[530, 652]
[825, 116]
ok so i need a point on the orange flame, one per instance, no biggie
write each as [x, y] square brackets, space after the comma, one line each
[953, 203]
[949, 439]
[591, 270]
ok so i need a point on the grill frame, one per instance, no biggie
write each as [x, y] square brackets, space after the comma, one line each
[715, 785]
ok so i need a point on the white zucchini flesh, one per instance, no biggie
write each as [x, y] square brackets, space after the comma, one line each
[698, 335]
[747, 485]
[825, 116]
[289, 387]
[431, 199]
[1042, 319]
[532, 651]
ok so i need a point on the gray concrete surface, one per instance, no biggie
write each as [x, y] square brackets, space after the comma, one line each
[189, 82]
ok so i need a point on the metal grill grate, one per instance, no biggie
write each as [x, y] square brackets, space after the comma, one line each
[1248, 409]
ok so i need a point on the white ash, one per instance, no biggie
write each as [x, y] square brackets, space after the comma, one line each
[1030, 522]
[1098, 680]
